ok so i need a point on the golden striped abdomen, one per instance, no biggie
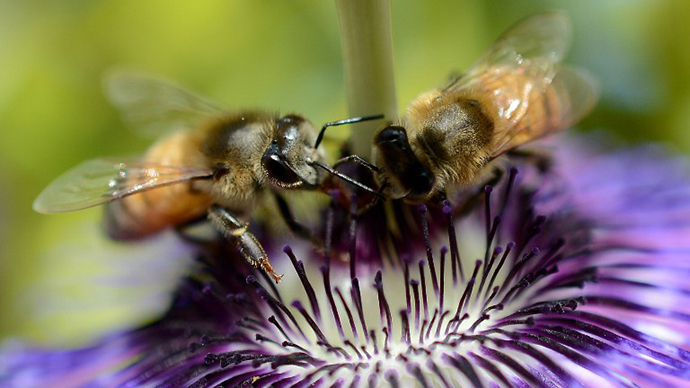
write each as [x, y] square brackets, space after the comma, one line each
[149, 212]
[525, 107]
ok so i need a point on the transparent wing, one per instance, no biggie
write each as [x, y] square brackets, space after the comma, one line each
[520, 81]
[532, 47]
[577, 92]
[99, 181]
[154, 106]
[566, 100]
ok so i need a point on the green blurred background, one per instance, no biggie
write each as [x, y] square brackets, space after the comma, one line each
[279, 55]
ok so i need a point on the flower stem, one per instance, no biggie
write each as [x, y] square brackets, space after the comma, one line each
[365, 31]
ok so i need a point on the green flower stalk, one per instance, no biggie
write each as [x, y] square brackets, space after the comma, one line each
[365, 30]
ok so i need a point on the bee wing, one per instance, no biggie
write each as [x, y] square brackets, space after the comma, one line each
[531, 95]
[99, 181]
[577, 92]
[568, 98]
[154, 106]
[533, 46]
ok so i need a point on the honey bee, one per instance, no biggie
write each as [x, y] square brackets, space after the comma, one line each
[517, 92]
[217, 164]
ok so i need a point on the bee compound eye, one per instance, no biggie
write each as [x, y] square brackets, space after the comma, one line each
[391, 133]
[421, 183]
[278, 170]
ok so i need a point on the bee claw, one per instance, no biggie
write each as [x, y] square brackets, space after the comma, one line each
[250, 248]
[266, 267]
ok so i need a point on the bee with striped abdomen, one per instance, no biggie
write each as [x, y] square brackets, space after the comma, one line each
[517, 92]
[216, 164]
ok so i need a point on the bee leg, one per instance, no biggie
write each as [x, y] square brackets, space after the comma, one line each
[438, 198]
[542, 160]
[183, 231]
[356, 159]
[369, 166]
[375, 201]
[248, 245]
[475, 199]
[298, 229]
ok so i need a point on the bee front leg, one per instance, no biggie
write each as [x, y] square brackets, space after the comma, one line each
[474, 199]
[248, 245]
[541, 159]
[298, 229]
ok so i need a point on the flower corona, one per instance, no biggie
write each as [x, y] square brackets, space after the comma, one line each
[537, 280]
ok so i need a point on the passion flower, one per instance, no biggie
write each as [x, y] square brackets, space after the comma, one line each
[573, 276]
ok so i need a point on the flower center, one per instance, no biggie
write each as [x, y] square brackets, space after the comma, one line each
[434, 315]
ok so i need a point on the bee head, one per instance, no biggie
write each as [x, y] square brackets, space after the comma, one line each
[402, 174]
[287, 160]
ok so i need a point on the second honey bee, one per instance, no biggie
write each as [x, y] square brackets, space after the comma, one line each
[217, 165]
[515, 93]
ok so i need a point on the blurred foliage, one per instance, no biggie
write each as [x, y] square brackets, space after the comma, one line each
[277, 55]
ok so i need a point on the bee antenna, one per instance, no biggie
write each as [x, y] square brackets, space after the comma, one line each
[341, 122]
[348, 179]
